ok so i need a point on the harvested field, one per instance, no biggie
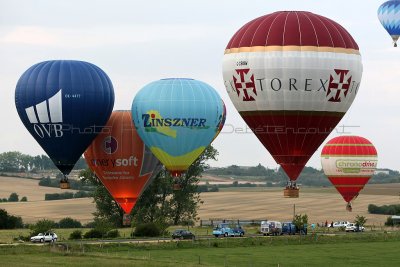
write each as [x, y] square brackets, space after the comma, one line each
[26, 187]
[319, 204]
[80, 209]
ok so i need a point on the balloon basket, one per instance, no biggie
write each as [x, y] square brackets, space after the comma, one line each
[126, 220]
[65, 185]
[349, 208]
[177, 187]
[291, 192]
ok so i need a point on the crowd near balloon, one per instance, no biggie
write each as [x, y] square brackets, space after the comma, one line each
[291, 75]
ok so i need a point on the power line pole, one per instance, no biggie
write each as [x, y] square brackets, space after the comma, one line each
[294, 211]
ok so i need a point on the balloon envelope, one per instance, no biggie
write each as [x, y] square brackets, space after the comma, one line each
[64, 104]
[349, 162]
[292, 75]
[121, 161]
[177, 119]
[389, 16]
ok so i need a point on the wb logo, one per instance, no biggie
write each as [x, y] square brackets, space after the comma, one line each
[47, 117]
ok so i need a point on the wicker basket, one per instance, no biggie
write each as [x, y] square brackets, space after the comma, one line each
[291, 192]
[64, 185]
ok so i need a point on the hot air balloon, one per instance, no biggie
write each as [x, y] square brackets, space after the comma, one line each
[292, 75]
[121, 161]
[389, 16]
[177, 119]
[64, 105]
[221, 120]
[349, 162]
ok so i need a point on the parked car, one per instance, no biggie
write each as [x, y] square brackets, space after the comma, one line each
[340, 224]
[271, 228]
[289, 228]
[238, 230]
[352, 227]
[46, 237]
[182, 234]
[226, 229]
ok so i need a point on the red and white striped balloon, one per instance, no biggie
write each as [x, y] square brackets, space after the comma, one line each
[349, 162]
[292, 75]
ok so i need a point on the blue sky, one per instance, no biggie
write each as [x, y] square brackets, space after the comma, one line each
[136, 42]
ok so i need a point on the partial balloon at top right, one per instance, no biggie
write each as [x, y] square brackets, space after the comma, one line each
[389, 16]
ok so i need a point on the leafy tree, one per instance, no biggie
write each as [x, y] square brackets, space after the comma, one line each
[8, 221]
[300, 221]
[147, 229]
[360, 220]
[160, 204]
[11, 161]
[42, 226]
[80, 164]
[106, 207]
[24, 199]
[13, 197]
[69, 223]
[77, 234]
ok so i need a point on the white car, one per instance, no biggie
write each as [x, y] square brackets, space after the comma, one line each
[351, 227]
[46, 237]
[340, 224]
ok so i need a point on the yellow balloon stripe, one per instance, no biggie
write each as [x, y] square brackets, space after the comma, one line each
[170, 161]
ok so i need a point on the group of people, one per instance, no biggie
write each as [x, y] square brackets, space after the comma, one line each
[291, 185]
[326, 224]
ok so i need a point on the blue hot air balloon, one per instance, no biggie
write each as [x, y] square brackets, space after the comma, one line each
[177, 119]
[389, 16]
[64, 105]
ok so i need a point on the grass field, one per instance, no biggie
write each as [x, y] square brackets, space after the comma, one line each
[358, 250]
[320, 204]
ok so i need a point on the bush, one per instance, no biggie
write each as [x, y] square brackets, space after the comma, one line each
[69, 223]
[147, 229]
[113, 233]
[93, 233]
[57, 196]
[77, 234]
[22, 238]
[42, 226]
[91, 224]
[13, 197]
[67, 195]
[8, 221]
[389, 221]
[385, 209]
[24, 199]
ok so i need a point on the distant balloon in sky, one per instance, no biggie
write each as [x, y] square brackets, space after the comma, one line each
[64, 104]
[349, 162]
[177, 118]
[389, 16]
[121, 161]
[292, 75]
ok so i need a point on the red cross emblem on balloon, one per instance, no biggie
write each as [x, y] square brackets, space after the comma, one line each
[244, 84]
[338, 84]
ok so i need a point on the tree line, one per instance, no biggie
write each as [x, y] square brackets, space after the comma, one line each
[309, 176]
[15, 161]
